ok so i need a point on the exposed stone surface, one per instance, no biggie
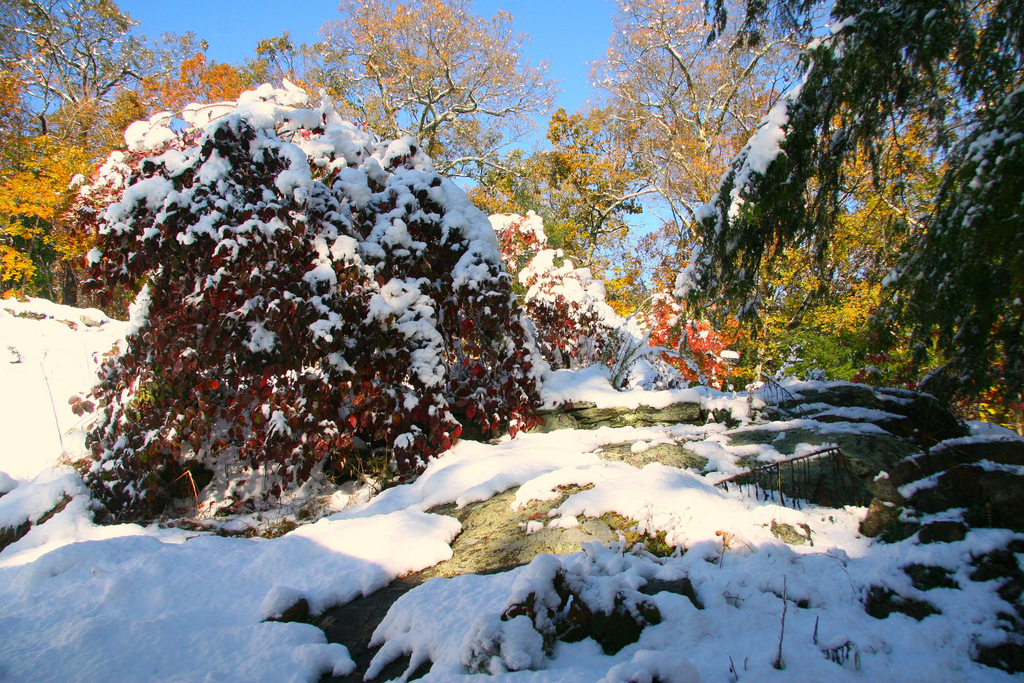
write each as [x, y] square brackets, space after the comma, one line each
[681, 586]
[993, 498]
[588, 416]
[942, 532]
[865, 456]
[1002, 565]
[948, 455]
[577, 617]
[353, 623]
[881, 517]
[297, 612]
[881, 602]
[494, 537]
[789, 534]
[9, 535]
[669, 454]
[926, 578]
[491, 540]
[1008, 656]
[919, 417]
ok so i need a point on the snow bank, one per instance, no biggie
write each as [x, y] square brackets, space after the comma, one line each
[90, 603]
[97, 603]
[48, 353]
[593, 385]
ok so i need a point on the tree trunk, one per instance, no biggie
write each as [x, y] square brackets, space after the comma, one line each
[69, 290]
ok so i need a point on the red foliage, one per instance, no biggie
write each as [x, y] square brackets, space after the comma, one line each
[700, 358]
[519, 238]
[573, 326]
[294, 323]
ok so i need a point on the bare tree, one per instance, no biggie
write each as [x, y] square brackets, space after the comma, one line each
[72, 56]
[693, 100]
[435, 71]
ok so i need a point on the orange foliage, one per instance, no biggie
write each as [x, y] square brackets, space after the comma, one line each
[195, 80]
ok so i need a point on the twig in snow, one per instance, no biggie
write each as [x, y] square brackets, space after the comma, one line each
[53, 406]
[779, 663]
[195, 494]
[732, 671]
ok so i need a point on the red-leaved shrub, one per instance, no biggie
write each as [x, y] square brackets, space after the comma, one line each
[700, 352]
[573, 324]
[310, 298]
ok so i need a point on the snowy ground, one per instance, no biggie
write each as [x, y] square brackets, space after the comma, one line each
[100, 603]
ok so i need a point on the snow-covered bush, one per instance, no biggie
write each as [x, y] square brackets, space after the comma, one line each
[310, 298]
[573, 324]
[575, 327]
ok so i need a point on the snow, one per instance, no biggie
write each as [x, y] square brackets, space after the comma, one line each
[593, 385]
[546, 282]
[47, 362]
[531, 225]
[84, 602]
[741, 589]
[33, 499]
[125, 608]
[762, 148]
[646, 665]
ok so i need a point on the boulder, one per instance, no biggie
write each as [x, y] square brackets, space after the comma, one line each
[925, 577]
[945, 456]
[589, 416]
[494, 537]
[882, 516]
[881, 602]
[851, 479]
[993, 498]
[683, 586]
[914, 416]
[942, 532]
[789, 534]
[9, 535]
[673, 455]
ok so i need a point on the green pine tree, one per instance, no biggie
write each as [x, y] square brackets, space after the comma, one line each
[956, 67]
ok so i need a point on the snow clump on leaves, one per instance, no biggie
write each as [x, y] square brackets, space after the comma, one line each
[311, 298]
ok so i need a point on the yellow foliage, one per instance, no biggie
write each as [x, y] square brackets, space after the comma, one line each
[820, 304]
[34, 194]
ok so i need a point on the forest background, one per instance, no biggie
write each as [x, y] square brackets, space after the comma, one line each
[628, 183]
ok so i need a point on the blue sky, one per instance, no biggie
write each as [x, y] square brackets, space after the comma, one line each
[568, 34]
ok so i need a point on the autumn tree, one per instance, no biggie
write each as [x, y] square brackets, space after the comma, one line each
[188, 76]
[691, 103]
[34, 195]
[588, 186]
[70, 62]
[958, 72]
[279, 57]
[34, 174]
[815, 307]
[13, 117]
[437, 72]
[596, 182]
